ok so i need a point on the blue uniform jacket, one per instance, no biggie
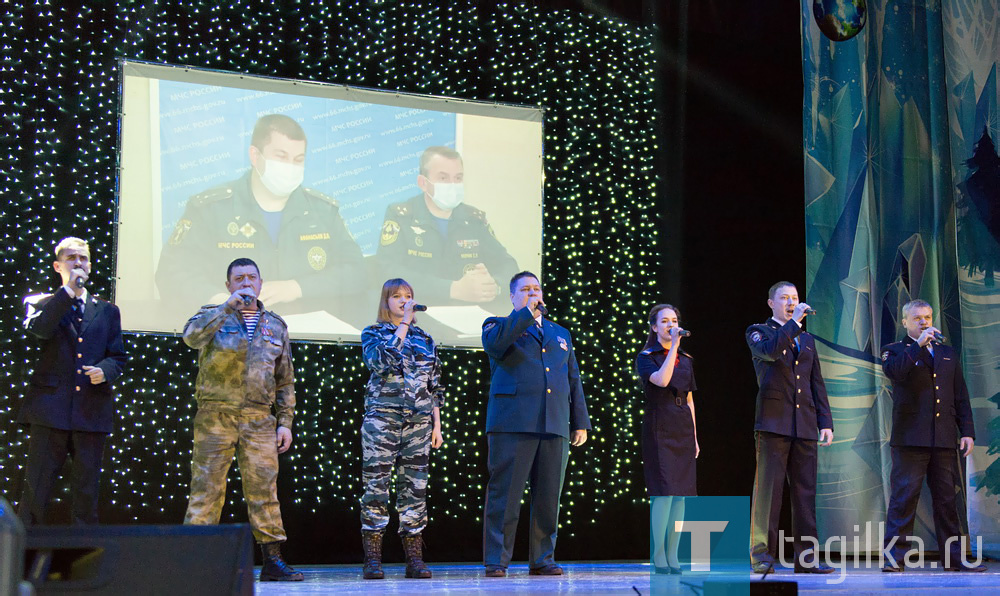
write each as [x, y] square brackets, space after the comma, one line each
[930, 401]
[791, 399]
[59, 394]
[535, 384]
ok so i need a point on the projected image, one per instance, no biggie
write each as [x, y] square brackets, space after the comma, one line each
[331, 191]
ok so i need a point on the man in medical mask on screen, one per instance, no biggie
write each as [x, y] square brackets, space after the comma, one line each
[446, 247]
[295, 233]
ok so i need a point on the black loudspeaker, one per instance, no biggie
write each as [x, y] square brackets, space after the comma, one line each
[140, 559]
[750, 588]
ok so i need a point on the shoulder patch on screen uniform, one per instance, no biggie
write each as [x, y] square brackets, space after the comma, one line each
[180, 230]
[489, 325]
[315, 194]
[390, 232]
[212, 195]
[885, 355]
[756, 336]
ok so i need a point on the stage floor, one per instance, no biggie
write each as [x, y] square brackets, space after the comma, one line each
[628, 578]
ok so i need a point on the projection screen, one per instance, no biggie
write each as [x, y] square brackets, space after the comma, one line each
[331, 190]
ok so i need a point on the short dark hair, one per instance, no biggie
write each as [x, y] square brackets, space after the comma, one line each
[517, 276]
[778, 286]
[241, 262]
[275, 123]
[430, 152]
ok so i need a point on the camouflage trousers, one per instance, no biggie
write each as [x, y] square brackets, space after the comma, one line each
[250, 436]
[401, 441]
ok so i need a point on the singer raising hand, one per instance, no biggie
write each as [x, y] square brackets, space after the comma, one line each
[669, 432]
[402, 422]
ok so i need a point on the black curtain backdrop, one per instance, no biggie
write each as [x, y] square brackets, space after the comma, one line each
[673, 173]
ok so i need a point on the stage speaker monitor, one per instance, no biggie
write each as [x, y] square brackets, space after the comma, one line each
[146, 560]
[750, 588]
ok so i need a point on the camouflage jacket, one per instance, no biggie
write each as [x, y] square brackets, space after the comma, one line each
[237, 372]
[405, 374]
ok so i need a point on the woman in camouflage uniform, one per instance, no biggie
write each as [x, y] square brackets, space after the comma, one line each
[402, 422]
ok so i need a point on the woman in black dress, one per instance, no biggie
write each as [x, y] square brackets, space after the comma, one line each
[669, 436]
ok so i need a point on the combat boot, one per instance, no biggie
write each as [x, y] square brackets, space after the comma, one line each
[372, 543]
[415, 566]
[275, 568]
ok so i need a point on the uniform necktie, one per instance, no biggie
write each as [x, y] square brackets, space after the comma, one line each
[77, 314]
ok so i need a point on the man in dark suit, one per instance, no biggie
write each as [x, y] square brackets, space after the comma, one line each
[793, 412]
[69, 406]
[931, 423]
[535, 411]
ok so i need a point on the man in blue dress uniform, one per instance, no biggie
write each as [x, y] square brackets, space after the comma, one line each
[536, 410]
[792, 413]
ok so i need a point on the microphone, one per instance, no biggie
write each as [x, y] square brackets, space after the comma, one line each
[80, 282]
[542, 310]
[938, 337]
[419, 308]
[248, 299]
[683, 333]
[810, 311]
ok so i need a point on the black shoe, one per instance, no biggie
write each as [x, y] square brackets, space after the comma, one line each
[496, 571]
[552, 569]
[817, 568]
[762, 567]
[892, 568]
[275, 568]
[967, 568]
[668, 570]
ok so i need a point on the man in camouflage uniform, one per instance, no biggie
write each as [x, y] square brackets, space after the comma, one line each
[445, 246]
[245, 368]
[296, 234]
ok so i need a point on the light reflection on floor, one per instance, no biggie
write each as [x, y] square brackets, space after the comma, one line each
[629, 578]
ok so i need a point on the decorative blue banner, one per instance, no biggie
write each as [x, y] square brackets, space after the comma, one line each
[899, 121]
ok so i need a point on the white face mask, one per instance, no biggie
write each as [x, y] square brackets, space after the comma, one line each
[448, 195]
[281, 178]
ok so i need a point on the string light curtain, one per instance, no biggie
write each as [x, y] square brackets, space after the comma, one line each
[595, 75]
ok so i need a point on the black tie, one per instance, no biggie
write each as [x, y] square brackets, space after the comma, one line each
[77, 314]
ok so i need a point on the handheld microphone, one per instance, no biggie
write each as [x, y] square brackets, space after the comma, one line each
[810, 311]
[683, 333]
[541, 309]
[419, 308]
[938, 337]
[248, 299]
[80, 282]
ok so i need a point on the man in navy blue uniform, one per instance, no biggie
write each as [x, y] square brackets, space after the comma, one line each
[69, 406]
[793, 414]
[931, 424]
[536, 410]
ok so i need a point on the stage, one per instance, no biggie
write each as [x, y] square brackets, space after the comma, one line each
[621, 578]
